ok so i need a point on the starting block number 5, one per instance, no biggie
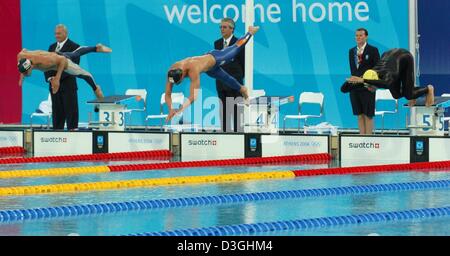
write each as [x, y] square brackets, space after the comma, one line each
[427, 120]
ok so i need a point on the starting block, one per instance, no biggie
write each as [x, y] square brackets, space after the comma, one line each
[112, 112]
[428, 121]
[182, 128]
[263, 113]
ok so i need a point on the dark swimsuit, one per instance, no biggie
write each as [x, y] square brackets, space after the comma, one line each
[226, 56]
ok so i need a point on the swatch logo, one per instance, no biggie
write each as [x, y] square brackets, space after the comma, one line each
[364, 145]
[202, 142]
[53, 140]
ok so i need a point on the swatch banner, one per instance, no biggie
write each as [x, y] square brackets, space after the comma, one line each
[301, 46]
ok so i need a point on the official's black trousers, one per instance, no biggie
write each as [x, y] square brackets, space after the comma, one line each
[226, 113]
[65, 108]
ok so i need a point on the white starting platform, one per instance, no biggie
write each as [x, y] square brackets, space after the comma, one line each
[428, 121]
[262, 114]
[182, 128]
[112, 112]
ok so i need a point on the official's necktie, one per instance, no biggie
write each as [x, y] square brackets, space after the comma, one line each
[360, 55]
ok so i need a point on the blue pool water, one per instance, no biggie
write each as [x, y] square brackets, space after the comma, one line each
[131, 222]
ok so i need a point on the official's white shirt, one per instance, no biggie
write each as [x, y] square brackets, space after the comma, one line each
[58, 48]
[59, 45]
[226, 41]
[359, 50]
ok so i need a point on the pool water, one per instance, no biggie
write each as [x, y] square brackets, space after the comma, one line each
[131, 222]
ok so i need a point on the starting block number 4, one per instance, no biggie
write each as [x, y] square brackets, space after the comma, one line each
[261, 120]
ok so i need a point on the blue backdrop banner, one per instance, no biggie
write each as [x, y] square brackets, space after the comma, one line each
[302, 45]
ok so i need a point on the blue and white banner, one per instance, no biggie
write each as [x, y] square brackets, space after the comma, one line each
[302, 45]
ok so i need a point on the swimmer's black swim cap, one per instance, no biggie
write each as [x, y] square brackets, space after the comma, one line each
[175, 76]
[24, 65]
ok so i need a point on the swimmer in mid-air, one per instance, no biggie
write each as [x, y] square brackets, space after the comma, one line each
[59, 62]
[210, 64]
[394, 71]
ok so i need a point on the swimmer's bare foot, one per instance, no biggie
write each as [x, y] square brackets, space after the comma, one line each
[411, 103]
[430, 96]
[244, 40]
[244, 92]
[103, 48]
[252, 30]
[99, 93]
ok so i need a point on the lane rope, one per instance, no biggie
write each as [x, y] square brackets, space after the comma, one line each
[154, 155]
[306, 224]
[300, 159]
[12, 150]
[425, 166]
[115, 207]
[127, 184]
[186, 180]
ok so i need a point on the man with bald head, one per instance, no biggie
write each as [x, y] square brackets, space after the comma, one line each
[65, 100]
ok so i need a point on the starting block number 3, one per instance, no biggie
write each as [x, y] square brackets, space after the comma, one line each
[119, 122]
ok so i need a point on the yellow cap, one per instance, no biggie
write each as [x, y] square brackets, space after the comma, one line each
[370, 75]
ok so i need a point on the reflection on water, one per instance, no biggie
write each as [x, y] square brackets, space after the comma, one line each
[229, 214]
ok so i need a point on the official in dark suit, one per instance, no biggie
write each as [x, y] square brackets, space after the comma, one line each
[65, 101]
[236, 69]
[361, 58]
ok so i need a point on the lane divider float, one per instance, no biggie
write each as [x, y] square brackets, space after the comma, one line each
[11, 150]
[127, 184]
[300, 159]
[116, 207]
[423, 167]
[186, 180]
[154, 155]
[307, 224]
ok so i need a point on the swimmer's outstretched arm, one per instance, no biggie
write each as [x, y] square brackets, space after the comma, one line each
[195, 85]
[348, 87]
[22, 77]
[384, 84]
[193, 91]
[61, 63]
[168, 99]
[21, 55]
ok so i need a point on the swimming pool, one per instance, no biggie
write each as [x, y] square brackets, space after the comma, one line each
[197, 214]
